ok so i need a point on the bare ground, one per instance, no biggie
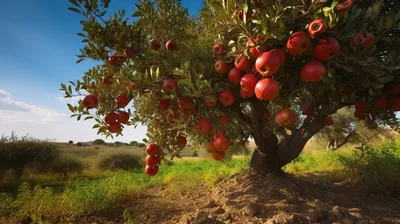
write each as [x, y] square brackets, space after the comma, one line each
[249, 199]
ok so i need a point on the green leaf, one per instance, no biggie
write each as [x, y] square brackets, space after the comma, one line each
[74, 10]
[88, 117]
[80, 60]
[385, 79]
[71, 108]
[345, 67]
[81, 34]
[145, 140]
[79, 117]
[397, 17]
[70, 89]
[389, 22]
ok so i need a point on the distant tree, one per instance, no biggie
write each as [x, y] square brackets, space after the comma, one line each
[133, 143]
[141, 145]
[79, 144]
[70, 142]
[99, 142]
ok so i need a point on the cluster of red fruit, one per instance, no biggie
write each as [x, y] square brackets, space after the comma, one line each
[152, 159]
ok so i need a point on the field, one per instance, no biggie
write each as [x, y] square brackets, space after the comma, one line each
[340, 178]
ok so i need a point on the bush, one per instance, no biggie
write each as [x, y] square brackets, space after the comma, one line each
[118, 161]
[70, 142]
[79, 144]
[25, 153]
[141, 145]
[133, 143]
[98, 142]
[64, 163]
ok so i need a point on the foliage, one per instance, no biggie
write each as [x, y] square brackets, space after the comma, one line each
[64, 163]
[98, 142]
[118, 161]
[19, 153]
[70, 142]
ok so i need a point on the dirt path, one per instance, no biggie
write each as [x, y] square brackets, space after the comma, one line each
[247, 199]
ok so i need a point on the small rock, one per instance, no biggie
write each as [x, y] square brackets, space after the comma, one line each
[347, 221]
[210, 204]
[284, 218]
[355, 212]
[218, 210]
[321, 205]
[250, 209]
[337, 212]
[316, 214]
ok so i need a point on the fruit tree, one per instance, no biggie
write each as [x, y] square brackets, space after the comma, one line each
[268, 70]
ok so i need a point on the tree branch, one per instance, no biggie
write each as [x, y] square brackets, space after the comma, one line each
[345, 140]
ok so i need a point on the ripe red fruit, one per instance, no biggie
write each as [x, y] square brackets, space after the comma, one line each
[234, 76]
[114, 60]
[210, 100]
[267, 64]
[313, 72]
[396, 104]
[181, 141]
[243, 63]
[308, 111]
[171, 117]
[151, 170]
[122, 100]
[114, 128]
[90, 101]
[218, 155]
[369, 40]
[395, 89]
[383, 102]
[266, 121]
[248, 83]
[152, 160]
[227, 97]
[105, 80]
[281, 54]
[203, 126]
[221, 67]
[317, 27]
[123, 117]
[359, 114]
[133, 85]
[328, 121]
[164, 104]
[210, 147]
[111, 118]
[170, 45]
[365, 41]
[246, 94]
[218, 49]
[298, 43]
[218, 133]
[256, 50]
[267, 89]
[185, 103]
[361, 105]
[267, 115]
[326, 49]
[223, 120]
[129, 51]
[170, 85]
[221, 143]
[155, 45]
[286, 118]
[345, 6]
[153, 149]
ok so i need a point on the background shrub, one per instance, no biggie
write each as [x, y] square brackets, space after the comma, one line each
[118, 161]
[98, 142]
[64, 163]
[141, 145]
[79, 144]
[70, 142]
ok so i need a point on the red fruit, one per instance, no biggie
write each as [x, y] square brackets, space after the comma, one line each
[365, 41]
[129, 52]
[210, 147]
[383, 102]
[171, 117]
[359, 114]
[218, 155]
[361, 105]
[326, 49]
[114, 60]
[256, 50]
[123, 117]
[152, 160]
[132, 85]
[328, 121]
[164, 104]
[114, 128]
[369, 40]
[170, 85]
[298, 43]
[155, 45]
[395, 89]
[286, 118]
[181, 141]
[185, 103]
[219, 133]
[396, 104]
[153, 149]
[246, 94]
[122, 100]
[313, 72]
[308, 111]
[248, 83]
[210, 100]
[203, 126]
[111, 118]
[170, 45]
[267, 89]
[221, 143]
[90, 101]
[317, 27]
[218, 49]
[281, 54]
[105, 80]
[266, 121]
[151, 170]
[357, 38]
[243, 63]
[223, 120]
[221, 67]
[227, 97]
[267, 64]
[234, 76]
[345, 6]
[267, 115]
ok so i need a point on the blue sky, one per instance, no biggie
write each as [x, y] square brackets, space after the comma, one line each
[38, 51]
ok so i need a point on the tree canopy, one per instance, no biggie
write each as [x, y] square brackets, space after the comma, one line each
[271, 70]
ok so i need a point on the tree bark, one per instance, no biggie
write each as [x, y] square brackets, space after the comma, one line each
[265, 158]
